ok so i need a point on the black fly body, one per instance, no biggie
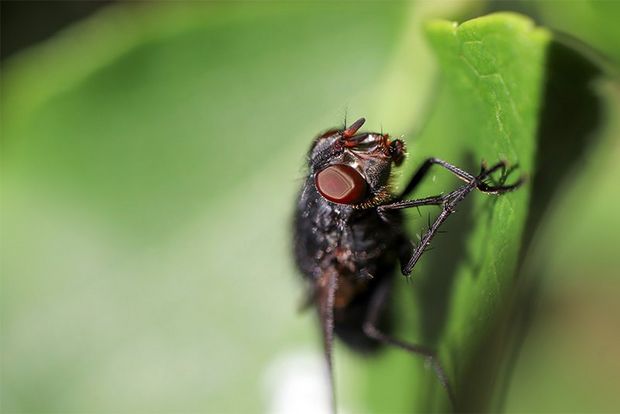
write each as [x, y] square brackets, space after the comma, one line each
[349, 234]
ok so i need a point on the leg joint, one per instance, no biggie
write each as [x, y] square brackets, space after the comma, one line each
[371, 330]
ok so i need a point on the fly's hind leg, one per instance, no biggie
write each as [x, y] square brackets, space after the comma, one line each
[377, 305]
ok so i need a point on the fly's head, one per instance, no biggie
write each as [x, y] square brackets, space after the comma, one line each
[354, 168]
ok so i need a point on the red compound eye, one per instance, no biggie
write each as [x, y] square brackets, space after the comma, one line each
[341, 184]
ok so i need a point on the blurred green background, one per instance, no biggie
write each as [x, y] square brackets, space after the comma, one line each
[151, 153]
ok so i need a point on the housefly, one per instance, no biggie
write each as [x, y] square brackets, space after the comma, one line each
[349, 234]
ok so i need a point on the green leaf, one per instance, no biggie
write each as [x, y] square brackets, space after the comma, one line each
[493, 72]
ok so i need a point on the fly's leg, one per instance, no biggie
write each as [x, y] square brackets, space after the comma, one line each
[325, 302]
[448, 202]
[398, 205]
[424, 169]
[461, 174]
[377, 304]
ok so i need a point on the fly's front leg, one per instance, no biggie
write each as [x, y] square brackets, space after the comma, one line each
[448, 202]
[399, 205]
[463, 175]
[421, 173]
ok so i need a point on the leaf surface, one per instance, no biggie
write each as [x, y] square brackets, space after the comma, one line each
[493, 71]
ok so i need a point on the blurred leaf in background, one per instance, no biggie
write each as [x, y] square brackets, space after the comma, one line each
[591, 21]
[150, 158]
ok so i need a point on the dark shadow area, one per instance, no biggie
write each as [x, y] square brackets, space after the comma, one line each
[569, 118]
[25, 23]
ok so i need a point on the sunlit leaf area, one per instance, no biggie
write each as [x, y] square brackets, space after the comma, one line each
[151, 155]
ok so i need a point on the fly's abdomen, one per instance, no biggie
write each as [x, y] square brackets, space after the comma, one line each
[360, 248]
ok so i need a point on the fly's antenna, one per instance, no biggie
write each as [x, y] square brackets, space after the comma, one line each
[350, 131]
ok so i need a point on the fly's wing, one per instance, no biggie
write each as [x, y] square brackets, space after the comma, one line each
[328, 284]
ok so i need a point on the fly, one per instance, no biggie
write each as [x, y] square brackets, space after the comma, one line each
[349, 234]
